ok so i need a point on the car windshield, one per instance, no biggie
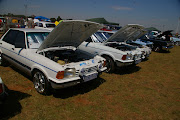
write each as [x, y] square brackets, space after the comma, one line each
[35, 39]
[50, 25]
[101, 36]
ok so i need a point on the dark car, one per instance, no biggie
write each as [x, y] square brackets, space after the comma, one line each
[159, 43]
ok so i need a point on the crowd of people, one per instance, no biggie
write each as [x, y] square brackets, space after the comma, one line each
[9, 22]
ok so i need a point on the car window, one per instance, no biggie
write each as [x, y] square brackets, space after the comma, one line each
[99, 37]
[40, 25]
[35, 39]
[10, 36]
[20, 39]
[50, 25]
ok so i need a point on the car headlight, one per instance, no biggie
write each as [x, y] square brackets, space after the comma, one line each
[129, 57]
[102, 64]
[69, 72]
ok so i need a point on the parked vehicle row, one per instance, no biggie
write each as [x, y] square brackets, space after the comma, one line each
[73, 52]
[117, 46]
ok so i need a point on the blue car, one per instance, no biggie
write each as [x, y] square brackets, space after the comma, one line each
[144, 42]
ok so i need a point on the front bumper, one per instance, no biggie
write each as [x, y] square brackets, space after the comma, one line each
[121, 64]
[77, 80]
[167, 47]
[65, 84]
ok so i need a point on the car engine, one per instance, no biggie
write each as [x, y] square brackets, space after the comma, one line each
[121, 46]
[66, 56]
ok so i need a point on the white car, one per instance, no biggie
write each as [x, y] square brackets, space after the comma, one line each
[146, 51]
[113, 49]
[52, 60]
[44, 25]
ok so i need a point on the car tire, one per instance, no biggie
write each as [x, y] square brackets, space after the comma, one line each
[109, 64]
[41, 84]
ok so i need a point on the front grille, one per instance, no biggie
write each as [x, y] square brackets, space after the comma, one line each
[88, 70]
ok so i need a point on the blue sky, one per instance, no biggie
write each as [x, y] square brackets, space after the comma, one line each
[162, 14]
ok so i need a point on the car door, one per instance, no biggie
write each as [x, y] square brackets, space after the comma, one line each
[20, 49]
[14, 48]
[7, 45]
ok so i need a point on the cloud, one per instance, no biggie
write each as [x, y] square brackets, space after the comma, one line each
[121, 8]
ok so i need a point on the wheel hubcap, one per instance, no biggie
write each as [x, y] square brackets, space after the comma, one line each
[39, 82]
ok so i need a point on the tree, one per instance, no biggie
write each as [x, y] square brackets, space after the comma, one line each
[53, 19]
[59, 18]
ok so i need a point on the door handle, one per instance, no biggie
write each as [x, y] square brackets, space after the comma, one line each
[12, 48]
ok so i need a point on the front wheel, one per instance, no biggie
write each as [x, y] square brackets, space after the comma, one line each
[41, 83]
[109, 64]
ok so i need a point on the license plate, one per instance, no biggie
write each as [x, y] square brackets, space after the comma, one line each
[90, 77]
[137, 61]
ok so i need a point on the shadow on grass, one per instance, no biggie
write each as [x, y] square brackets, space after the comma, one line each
[78, 89]
[12, 106]
[20, 72]
[127, 70]
[163, 51]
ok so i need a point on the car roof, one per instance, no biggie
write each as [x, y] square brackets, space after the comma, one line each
[30, 30]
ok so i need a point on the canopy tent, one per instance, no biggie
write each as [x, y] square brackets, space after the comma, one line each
[102, 21]
[14, 21]
[42, 18]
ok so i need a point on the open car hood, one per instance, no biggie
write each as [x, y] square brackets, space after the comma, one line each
[128, 32]
[70, 33]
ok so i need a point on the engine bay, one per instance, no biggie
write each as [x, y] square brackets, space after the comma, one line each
[121, 46]
[66, 56]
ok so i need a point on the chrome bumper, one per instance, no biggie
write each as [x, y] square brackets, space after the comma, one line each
[121, 64]
[167, 47]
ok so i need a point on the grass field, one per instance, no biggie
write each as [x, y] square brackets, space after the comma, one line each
[149, 91]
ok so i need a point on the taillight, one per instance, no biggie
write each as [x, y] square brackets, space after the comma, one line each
[1, 88]
[124, 57]
[60, 75]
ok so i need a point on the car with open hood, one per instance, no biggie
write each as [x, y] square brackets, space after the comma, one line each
[161, 41]
[146, 51]
[52, 58]
[113, 49]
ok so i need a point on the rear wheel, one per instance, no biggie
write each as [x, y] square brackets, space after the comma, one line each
[41, 83]
[109, 64]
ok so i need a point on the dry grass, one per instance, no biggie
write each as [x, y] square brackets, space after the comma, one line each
[151, 90]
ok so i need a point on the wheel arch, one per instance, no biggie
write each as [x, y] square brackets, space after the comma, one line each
[39, 68]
